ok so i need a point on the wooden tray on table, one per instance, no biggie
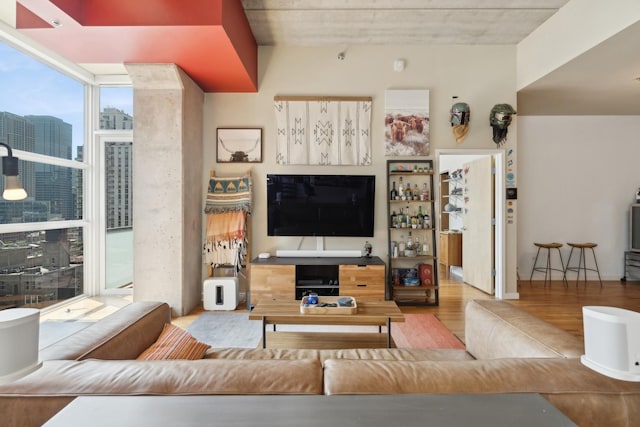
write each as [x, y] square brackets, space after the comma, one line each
[306, 308]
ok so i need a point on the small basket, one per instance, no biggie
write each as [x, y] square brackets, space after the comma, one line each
[315, 309]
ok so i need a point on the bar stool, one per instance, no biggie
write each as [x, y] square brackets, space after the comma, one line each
[582, 262]
[547, 268]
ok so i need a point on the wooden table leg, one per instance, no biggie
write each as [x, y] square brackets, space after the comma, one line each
[264, 332]
[388, 332]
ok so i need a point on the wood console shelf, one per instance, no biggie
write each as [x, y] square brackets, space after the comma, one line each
[290, 278]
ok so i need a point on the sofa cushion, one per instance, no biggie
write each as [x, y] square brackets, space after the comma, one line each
[352, 353]
[585, 396]
[121, 335]
[40, 395]
[496, 329]
[175, 343]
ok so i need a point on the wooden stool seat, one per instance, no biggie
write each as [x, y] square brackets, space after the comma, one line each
[549, 245]
[547, 268]
[582, 262]
[583, 245]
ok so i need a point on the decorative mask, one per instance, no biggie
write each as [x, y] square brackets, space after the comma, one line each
[500, 119]
[460, 115]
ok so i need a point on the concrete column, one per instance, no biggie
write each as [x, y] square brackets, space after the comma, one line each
[167, 186]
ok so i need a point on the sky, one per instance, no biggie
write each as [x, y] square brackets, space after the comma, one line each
[28, 87]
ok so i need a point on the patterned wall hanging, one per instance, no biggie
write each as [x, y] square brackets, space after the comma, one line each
[323, 130]
[406, 123]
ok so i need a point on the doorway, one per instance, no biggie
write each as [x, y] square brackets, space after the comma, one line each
[453, 159]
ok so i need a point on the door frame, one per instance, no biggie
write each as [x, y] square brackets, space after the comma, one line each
[499, 208]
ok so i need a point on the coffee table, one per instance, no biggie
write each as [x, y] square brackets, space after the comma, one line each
[477, 410]
[287, 312]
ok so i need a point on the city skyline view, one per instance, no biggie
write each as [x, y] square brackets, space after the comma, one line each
[42, 111]
[32, 88]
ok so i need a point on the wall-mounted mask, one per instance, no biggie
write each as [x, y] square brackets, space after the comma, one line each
[500, 119]
[460, 115]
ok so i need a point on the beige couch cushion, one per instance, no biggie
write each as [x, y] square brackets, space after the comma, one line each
[496, 329]
[37, 397]
[585, 396]
[355, 353]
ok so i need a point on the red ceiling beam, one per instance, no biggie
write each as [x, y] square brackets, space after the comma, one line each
[211, 40]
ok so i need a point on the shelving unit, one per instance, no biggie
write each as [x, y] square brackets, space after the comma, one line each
[451, 193]
[420, 261]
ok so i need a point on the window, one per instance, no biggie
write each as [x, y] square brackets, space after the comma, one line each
[41, 238]
[116, 148]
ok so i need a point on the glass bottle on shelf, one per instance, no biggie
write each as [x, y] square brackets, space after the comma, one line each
[418, 246]
[409, 248]
[401, 221]
[408, 217]
[425, 192]
[401, 246]
[416, 192]
[426, 220]
[394, 219]
[394, 192]
[425, 247]
[400, 190]
[407, 192]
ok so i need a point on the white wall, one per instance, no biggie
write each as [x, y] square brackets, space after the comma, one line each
[480, 75]
[577, 178]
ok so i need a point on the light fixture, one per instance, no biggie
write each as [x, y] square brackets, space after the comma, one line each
[12, 188]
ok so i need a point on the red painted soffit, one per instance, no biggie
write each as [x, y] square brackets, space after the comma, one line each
[211, 40]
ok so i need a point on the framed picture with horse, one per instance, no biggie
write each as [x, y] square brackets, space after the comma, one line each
[239, 145]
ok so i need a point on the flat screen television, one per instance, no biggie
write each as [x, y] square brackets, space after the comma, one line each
[634, 227]
[320, 205]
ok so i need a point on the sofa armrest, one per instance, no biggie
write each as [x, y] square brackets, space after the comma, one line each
[497, 329]
[122, 335]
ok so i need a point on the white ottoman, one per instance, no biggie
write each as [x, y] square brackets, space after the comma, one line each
[220, 293]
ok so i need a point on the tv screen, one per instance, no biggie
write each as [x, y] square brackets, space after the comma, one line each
[320, 205]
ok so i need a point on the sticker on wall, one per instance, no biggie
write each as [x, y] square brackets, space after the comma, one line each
[406, 123]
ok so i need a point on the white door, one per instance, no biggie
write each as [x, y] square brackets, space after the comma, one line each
[478, 231]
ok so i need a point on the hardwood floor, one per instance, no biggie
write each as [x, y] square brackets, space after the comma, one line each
[559, 305]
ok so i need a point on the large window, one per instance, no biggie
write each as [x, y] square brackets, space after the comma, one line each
[59, 124]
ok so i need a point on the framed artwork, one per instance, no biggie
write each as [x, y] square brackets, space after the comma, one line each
[407, 123]
[239, 145]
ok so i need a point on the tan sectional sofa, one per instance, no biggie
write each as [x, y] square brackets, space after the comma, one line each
[508, 351]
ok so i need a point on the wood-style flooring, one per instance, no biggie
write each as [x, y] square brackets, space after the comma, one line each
[555, 303]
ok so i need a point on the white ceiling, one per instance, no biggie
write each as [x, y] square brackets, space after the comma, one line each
[599, 82]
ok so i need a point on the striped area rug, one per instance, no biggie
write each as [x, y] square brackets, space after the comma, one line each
[423, 331]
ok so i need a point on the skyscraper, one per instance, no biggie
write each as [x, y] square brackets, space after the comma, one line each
[119, 185]
[53, 183]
